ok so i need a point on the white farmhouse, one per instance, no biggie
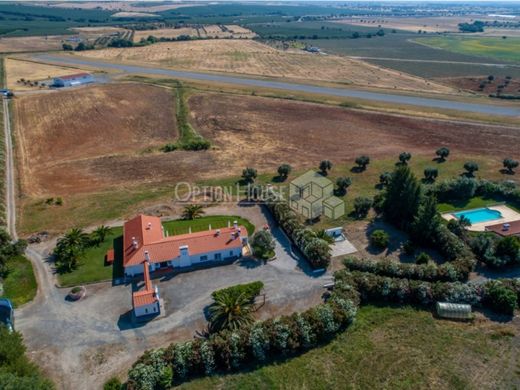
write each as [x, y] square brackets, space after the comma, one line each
[144, 239]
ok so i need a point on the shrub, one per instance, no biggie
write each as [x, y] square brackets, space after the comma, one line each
[362, 162]
[430, 174]
[169, 148]
[422, 258]
[500, 298]
[263, 244]
[460, 188]
[249, 175]
[443, 153]
[251, 290]
[379, 239]
[195, 144]
[112, 384]
[325, 166]
[362, 206]
[404, 157]
[471, 167]
[510, 165]
[409, 248]
[284, 170]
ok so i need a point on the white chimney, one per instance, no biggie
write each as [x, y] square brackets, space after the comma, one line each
[147, 256]
[134, 243]
[235, 224]
[218, 232]
[209, 227]
[149, 225]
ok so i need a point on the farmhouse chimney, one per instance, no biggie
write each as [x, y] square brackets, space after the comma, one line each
[235, 225]
[147, 256]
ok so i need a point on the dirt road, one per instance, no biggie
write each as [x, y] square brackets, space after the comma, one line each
[10, 208]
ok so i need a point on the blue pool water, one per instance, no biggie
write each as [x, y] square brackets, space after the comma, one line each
[479, 215]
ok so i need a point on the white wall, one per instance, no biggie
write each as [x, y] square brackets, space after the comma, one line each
[195, 259]
[147, 309]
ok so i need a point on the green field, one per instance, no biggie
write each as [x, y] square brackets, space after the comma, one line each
[92, 267]
[398, 51]
[391, 348]
[19, 284]
[490, 47]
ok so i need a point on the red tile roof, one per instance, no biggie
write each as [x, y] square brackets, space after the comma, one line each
[74, 76]
[142, 298]
[148, 235]
[146, 296]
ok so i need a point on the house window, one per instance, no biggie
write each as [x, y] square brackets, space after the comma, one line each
[204, 258]
[218, 256]
[164, 264]
[230, 253]
[146, 311]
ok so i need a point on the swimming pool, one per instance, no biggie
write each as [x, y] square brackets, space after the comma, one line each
[479, 215]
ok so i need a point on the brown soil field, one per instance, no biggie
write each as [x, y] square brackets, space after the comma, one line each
[59, 133]
[71, 143]
[261, 132]
[34, 71]
[250, 57]
[473, 83]
[21, 44]
[211, 31]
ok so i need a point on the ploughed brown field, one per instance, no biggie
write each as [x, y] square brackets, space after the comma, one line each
[61, 135]
[93, 139]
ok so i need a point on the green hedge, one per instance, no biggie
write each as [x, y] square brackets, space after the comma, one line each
[316, 251]
[431, 272]
[229, 351]
[251, 290]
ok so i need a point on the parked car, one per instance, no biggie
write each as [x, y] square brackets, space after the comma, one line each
[7, 314]
[6, 92]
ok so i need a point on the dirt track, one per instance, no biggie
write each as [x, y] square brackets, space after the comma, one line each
[98, 148]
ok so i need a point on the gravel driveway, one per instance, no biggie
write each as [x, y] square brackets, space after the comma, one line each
[82, 344]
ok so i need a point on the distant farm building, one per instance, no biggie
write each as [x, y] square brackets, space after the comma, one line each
[144, 239]
[73, 80]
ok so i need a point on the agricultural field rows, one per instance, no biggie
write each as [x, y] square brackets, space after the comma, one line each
[254, 58]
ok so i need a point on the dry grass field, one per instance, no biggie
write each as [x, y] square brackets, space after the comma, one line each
[121, 5]
[17, 69]
[22, 44]
[61, 136]
[211, 31]
[261, 131]
[428, 24]
[254, 58]
[89, 146]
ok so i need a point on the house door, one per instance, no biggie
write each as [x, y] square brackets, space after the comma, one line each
[164, 264]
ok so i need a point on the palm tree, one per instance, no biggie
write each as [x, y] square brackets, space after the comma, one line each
[192, 211]
[230, 311]
[74, 238]
[101, 233]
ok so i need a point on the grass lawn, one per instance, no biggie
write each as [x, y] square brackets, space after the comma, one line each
[92, 267]
[200, 224]
[20, 284]
[472, 203]
[391, 348]
[365, 183]
[492, 47]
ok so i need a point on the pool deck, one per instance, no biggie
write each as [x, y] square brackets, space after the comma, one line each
[508, 215]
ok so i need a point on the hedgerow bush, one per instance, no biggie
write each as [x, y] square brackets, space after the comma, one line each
[431, 272]
[264, 340]
[500, 298]
[250, 290]
[315, 250]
